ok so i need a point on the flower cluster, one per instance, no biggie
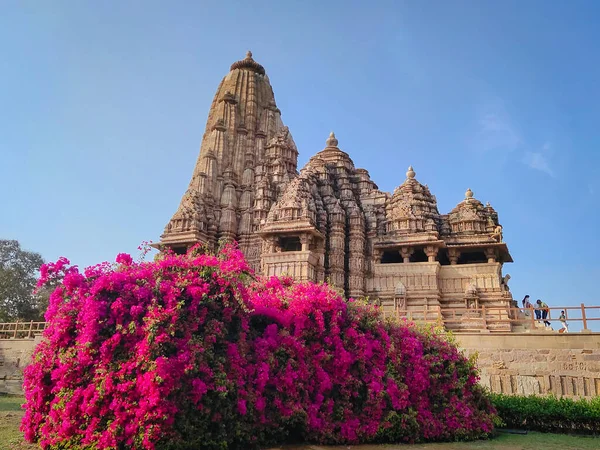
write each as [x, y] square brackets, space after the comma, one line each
[191, 352]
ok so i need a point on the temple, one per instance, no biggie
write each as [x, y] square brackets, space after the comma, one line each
[330, 222]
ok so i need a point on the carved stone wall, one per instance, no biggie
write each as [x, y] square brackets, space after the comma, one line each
[524, 364]
[456, 278]
[15, 355]
[415, 277]
[300, 265]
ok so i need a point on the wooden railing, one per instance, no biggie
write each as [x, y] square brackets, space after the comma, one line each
[21, 330]
[586, 316]
[583, 315]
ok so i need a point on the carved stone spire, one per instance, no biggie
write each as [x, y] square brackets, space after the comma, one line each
[245, 144]
[248, 63]
[470, 217]
[412, 208]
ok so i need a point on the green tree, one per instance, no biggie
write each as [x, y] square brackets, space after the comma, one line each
[18, 277]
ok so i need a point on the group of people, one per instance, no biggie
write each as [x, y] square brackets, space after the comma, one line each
[542, 311]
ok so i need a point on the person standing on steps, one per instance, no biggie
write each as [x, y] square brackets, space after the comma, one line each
[544, 309]
[563, 322]
[538, 311]
[526, 305]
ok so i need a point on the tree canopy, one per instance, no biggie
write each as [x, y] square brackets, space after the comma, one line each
[18, 277]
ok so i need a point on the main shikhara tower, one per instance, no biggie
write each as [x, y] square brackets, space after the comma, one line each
[246, 158]
[330, 222]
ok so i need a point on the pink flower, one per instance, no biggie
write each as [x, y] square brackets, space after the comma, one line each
[124, 258]
[133, 351]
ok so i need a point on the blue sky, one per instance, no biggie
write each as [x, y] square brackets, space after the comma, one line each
[104, 105]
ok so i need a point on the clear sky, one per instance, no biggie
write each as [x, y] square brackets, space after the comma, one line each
[103, 106]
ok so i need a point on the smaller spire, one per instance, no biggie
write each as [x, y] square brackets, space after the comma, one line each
[410, 174]
[248, 54]
[331, 140]
[468, 194]
[488, 205]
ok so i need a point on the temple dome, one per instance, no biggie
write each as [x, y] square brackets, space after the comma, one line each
[248, 63]
[471, 217]
[412, 207]
[332, 154]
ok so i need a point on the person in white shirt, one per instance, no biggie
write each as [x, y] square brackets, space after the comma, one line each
[563, 322]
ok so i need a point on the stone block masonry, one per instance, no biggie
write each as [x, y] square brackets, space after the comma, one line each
[15, 355]
[523, 364]
[560, 364]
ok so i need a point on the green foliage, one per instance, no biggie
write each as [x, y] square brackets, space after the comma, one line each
[549, 414]
[18, 277]
[403, 427]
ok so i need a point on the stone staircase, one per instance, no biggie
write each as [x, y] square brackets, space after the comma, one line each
[530, 327]
[468, 321]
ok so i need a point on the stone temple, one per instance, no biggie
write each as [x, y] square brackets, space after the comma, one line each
[330, 222]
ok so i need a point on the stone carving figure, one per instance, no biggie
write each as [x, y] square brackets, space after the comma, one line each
[281, 138]
[471, 296]
[497, 234]
[400, 296]
[504, 283]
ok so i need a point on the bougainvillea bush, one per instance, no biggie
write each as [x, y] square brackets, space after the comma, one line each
[190, 352]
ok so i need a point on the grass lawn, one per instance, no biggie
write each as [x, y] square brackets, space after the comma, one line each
[530, 441]
[10, 420]
[12, 439]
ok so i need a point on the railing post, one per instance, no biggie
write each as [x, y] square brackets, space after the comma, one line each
[30, 329]
[583, 317]
[16, 327]
[532, 315]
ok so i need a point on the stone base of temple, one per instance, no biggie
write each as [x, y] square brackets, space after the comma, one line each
[565, 365]
[511, 363]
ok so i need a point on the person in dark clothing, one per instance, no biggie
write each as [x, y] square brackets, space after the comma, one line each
[538, 311]
[544, 310]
